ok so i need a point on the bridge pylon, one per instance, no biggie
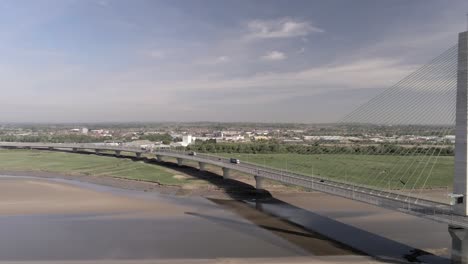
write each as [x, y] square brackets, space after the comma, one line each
[460, 181]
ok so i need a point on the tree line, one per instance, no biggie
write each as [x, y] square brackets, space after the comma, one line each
[52, 139]
[272, 148]
[164, 138]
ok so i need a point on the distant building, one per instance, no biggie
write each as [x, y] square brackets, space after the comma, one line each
[84, 130]
[218, 134]
[312, 138]
[187, 140]
[143, 144]
[292, 141]
[162, 146]
[234, 138]
[261, 138]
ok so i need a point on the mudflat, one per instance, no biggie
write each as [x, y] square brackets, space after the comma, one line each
[46, 220]
[38, 197]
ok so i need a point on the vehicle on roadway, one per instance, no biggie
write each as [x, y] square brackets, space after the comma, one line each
[235, 161]
[192, 153]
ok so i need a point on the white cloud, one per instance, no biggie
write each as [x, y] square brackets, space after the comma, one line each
[281, 28]
[370, 73]
[274, 56]
[137, 87]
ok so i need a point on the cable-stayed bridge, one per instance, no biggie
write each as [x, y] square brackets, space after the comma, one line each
[437, 211]
[431, 102]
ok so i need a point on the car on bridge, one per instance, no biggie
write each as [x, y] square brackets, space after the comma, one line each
[192, 153]
[235, 161]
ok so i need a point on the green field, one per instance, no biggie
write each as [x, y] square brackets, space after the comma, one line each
[70, 163]
[383, 171]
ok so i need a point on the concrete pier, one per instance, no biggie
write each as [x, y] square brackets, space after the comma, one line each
[459, 244]
[226, 173]
[97, 151]
[117, 153]
[138, 154]
[74, 149]
[259, 183]
[159, 158]
[202, 166]
[460, 182]
[180, 161]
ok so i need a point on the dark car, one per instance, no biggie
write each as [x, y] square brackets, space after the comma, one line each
[192, 153]
[235, 161]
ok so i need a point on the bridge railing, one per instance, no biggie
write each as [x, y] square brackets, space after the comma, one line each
[306, 180]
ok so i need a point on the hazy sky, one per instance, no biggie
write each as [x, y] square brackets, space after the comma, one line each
[189, 60]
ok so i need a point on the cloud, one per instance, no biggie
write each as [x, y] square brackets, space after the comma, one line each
[360, 74]
[274, 56]
[196, 93]
[281, 28]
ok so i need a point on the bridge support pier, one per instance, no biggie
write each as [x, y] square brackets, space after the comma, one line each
[202, 166]
[459, 244]
[138, 154]
[97, 151]
[226, 173]
[117, 153]
[159, 158]
[74, 149]
[180, 161]
[460, 179]
[50, 148]
[259, 183]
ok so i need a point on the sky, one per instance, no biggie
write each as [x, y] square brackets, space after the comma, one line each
[193, 60]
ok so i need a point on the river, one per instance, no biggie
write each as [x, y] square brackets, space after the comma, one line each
[65, 220]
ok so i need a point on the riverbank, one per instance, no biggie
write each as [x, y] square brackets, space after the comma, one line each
[236, 188]
[147, 174]
[87, 163]
[127, 172]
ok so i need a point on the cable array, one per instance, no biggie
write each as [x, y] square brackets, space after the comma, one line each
[420, 107]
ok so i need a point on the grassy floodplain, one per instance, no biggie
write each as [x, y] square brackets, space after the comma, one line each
[383, 171]
[377, 170]
[79, 164]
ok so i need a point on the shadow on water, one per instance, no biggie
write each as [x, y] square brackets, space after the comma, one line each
[310, 231]
[382, 248]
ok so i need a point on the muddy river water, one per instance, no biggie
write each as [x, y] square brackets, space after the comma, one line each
[63, 220]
